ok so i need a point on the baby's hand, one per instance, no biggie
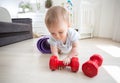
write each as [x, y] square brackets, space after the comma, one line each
[66, 60]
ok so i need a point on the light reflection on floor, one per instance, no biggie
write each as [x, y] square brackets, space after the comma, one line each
[110, 49]
[114, 71]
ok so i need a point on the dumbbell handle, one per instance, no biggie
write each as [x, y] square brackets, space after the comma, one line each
[95, 61]
[74, 64]
[60, 63]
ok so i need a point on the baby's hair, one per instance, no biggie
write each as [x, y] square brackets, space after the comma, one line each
[54, 14]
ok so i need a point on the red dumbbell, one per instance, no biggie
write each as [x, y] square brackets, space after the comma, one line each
[54, 63]
[90, 68]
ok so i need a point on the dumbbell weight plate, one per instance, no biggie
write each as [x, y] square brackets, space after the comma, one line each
[97, 58]
[90, 69]
[53, 63]
[74, 64]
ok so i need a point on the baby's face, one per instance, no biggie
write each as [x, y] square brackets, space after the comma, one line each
[59, 31]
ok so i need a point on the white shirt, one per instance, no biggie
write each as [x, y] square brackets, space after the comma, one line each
[71, 38]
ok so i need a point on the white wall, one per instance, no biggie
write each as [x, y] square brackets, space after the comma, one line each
[106, 18]
[90, 17]
[116, 31]
[11, 6]
[97, 7]
[109, 19]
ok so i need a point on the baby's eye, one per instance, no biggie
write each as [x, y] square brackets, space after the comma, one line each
[52, 33]
[60, 32]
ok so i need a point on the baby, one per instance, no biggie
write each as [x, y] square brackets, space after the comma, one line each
[63, 39]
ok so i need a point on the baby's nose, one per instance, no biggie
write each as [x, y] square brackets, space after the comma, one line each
[57, 36]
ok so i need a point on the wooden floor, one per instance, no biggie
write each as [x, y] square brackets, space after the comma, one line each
[23, 63]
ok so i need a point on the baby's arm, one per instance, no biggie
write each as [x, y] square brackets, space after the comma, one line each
[54, 50]
[73, 52]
